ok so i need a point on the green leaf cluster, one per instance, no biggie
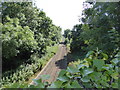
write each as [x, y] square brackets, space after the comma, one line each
[26, 35]
[95, 74]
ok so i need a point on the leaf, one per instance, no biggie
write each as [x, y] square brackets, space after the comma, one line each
[115, 75]
[115, 85]
[87, 85]
[56, 84]
[63, 78]
[75, 84]
[8, 18]
[86, 64]
[115, 61]
[103, 77]
[68, 85]
[39, 83]
[97, 85]
[44, 77]
[87, 71]
[103, 83]
[80, 66]
[95, 76]
[105, 56]
[105, 68]
[35, 81]
[72, 69]
[62, 72]
[89, 53]
[117, 55]
[31, 86]
[85, 79]
[109, 65]
[98, 63]
[69, 75]
[88, 59]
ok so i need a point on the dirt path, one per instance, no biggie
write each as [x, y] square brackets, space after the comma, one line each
[55, 64]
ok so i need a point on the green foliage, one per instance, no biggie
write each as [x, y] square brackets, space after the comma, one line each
[26, 31]
[85, 74]
[30, 31]
[100, 29]
[93, 72]
[72, 69]
[26, 35]
[67, 35]
[77, 42]
[45, 32]
[16, 39]
[24, 71]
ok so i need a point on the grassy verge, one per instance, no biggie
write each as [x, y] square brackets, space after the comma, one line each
[26, 71]
[52, 49]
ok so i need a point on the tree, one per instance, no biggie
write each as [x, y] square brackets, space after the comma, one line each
[100, 28]
[36, 20]
[29, 31]
[77, 41]
[67, 35]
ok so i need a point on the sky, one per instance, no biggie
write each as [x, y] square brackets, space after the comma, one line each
[64, 13]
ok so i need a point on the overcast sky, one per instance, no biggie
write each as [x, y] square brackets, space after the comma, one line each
[64, 13]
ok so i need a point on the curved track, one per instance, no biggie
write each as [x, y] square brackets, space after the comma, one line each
[55, 64]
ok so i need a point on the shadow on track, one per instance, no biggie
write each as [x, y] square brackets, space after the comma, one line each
[62, 63]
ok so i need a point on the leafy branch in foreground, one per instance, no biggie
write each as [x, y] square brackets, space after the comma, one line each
[92, 72]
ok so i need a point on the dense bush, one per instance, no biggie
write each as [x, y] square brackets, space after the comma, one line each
[26, 33]
[35, 19]
[77, 41]
[26, 70]
[16, 39]
[99, 35]
[99, 29]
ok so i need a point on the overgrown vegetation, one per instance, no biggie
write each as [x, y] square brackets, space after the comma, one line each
[100, 29]
[27, 38]
[26, 70]
[99, 32]
[98, 38]
[92, 72]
